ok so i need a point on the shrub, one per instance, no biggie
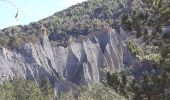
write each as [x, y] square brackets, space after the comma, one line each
[22, 89]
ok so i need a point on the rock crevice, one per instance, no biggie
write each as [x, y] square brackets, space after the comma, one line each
[80, 62]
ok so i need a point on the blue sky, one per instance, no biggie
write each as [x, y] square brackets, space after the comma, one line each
[30, 10]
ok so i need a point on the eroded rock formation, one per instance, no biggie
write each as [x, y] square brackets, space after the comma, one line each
[80, 62]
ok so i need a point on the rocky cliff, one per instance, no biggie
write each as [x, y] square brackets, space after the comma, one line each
[80, 62]
[97, 46]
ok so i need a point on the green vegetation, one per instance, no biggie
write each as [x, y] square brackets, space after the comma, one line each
[16, 40]
[148, 87]
[154, 84]
[81, 19]
[87, 17]
[22, 89]
[96, 92]
[147, 52]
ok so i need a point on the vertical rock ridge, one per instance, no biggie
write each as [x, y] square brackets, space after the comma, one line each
[80, 62]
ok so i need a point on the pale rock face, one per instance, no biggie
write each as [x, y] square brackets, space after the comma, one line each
[166, 29]
[80, 62]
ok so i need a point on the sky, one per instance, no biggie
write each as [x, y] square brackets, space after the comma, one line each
[30, 10]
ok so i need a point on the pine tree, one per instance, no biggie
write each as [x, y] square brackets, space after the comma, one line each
[47, 90]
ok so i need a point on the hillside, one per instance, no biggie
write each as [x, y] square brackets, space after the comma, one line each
[120, 45]
[81, 19]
